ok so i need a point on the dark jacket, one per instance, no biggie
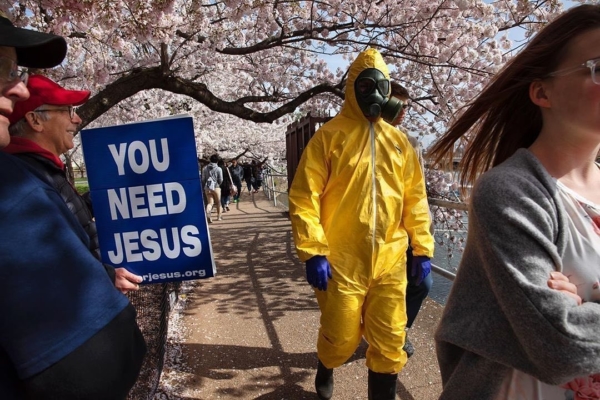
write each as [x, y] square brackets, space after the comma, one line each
[57, 178]
[83, 341]
[257, 172]
[226, 184]
[237, 174]
[247, 172]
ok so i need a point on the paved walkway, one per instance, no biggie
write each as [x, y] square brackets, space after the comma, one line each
[250, 332]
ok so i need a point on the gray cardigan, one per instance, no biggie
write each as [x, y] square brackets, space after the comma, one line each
[501, 314]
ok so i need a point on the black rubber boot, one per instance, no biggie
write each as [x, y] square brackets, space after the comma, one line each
[324, 382]
[382, 386]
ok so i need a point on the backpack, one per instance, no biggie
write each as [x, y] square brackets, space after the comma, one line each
[211, 183]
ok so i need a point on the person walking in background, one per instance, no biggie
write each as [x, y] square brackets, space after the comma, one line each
[522, 318]
[225, 186]
[352, 220]
[237, 175]
[212, 178]
[417, 289]
[248, 176]
[42, 129]
[257, 178]
[400, 93]
[257, 173]
[67, 332]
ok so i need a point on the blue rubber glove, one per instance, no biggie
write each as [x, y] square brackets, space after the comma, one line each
[318, 271]
[420, 268]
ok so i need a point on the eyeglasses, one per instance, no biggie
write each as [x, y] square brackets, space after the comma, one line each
[70, 109]
[591, 64]
[366, 86]
[9, 71]
[404, 105]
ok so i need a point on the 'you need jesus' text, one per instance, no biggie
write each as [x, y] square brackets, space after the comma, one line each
[146, 201]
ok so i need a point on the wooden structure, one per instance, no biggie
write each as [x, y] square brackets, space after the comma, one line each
[296, 138]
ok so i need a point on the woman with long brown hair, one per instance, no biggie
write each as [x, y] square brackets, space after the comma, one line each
[523, 318]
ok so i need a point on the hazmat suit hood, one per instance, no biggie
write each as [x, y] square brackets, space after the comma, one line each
[369, 58]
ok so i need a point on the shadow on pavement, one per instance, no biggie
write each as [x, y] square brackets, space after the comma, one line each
[250, 332]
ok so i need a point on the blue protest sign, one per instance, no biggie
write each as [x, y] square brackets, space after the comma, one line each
[147, 199]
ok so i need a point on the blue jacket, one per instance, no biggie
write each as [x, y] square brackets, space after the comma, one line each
[54, 293]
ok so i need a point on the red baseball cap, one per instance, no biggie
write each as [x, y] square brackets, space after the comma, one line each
[45, 91]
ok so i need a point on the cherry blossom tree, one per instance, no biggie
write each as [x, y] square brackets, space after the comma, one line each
[261, 60]
[245, 68]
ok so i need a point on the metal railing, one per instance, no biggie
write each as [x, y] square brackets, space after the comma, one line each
[273, 181]
[457, 205]
[443, 272]
[452, 205]
[153, 304]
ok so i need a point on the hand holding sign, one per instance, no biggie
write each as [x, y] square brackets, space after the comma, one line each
[125, 281]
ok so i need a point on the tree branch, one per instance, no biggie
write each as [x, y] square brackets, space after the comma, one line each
[153, 78]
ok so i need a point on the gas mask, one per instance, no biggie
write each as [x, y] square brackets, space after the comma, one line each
[372, 90]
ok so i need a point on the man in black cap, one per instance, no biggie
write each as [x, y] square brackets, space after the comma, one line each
[27, 49]
[65, 332]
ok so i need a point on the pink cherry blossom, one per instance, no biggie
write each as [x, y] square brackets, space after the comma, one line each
[245, 69]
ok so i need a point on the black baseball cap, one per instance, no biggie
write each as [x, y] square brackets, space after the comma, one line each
[34, 49]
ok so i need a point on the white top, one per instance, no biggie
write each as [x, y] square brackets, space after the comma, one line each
[581, 264]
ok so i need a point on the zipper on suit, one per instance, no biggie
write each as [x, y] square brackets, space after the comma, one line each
[373, 185]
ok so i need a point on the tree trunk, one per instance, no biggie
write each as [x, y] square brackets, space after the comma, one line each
[69, 168]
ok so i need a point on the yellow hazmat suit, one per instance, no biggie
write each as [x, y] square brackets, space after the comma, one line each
[357, 197]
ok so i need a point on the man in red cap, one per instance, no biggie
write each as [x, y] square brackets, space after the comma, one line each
[65, 331]
[42, 128]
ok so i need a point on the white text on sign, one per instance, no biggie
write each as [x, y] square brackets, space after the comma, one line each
[146, 156]
[137, 246]
[143, 201]
[134, 198]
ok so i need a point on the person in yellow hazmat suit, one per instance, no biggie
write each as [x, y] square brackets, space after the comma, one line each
[356, 199]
